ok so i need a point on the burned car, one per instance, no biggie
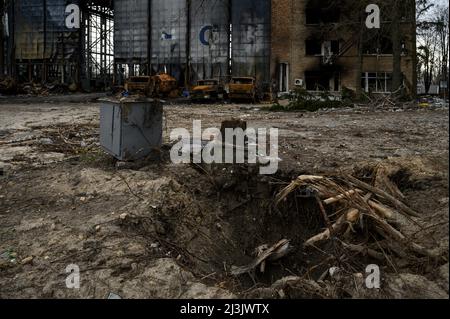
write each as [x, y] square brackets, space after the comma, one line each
[140, 84]
[153, 86]
[207, 90]
[243, 88]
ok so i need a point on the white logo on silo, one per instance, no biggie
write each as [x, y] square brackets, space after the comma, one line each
[73, 16]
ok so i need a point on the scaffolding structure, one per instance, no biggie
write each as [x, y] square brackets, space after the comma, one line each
[98, 44]
[36, 46]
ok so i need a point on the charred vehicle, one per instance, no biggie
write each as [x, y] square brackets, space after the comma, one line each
[153, 86]
[207, 90]
[243, 88]
[140, 84]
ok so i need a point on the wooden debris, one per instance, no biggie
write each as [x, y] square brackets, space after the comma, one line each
[338, 198]
[398, 236]
[301, 180]
[350, 217]
[382, 210]
[383, 182]
[364, 251]
[383, 194]
[344, 202]
[276, 252]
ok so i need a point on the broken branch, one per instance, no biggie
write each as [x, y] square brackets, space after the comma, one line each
[383, 194]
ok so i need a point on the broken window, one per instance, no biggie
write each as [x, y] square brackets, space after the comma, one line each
[377, 42]
[322, 13]
[373, 82]
[330, 15]
[313, 47]
[335, 47]
[312, 16]
[325, 48]
[330, 47]
[317, 81]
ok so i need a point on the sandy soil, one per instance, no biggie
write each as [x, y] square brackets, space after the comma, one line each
[161, 230]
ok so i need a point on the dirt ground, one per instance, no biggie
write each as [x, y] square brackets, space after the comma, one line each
[160, 230]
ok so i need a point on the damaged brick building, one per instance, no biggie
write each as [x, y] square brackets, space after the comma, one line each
[316, 44]
[284, 44]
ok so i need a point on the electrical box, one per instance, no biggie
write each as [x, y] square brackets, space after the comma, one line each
[129, 129]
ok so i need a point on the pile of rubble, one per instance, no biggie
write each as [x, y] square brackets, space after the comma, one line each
[8, 86]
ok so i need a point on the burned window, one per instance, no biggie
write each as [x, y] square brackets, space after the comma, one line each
[322, 15]
[312, 16]
[331, 47]
[335, 47]
[373, 82]
[330, 15]
[377, 43]
[313, 47]
[317, 81]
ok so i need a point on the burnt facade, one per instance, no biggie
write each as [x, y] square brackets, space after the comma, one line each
[316, 45]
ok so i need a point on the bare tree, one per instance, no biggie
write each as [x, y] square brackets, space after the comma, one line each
[433, 49]
[442, 30]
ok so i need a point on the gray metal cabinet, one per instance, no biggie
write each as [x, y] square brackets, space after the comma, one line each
[131, 130]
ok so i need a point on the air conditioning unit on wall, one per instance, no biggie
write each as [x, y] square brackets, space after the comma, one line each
[298, 82]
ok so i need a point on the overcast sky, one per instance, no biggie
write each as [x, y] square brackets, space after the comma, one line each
[440, 3]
